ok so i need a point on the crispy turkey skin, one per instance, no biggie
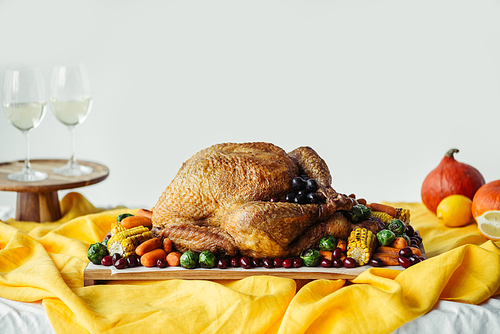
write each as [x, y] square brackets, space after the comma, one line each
[219, 200]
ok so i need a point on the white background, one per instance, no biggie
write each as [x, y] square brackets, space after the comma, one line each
[380, 89]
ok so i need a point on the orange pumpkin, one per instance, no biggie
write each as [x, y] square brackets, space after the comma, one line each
[486, 198]
[450, 177]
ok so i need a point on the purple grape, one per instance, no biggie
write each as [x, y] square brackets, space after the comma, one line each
[268, 262]
[325, 263]
[405, 252]
[120, 263]
[222, 264]
[337, 263]
[349, 262]
[246, 262]
[287, 263]
[404, 262]
[297, 262]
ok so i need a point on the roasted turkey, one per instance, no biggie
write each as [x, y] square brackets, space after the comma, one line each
[220, 201]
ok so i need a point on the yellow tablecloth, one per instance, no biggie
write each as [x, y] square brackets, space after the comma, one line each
[46, 262]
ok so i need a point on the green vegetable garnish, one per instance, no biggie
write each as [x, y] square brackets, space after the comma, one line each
[385, 237]
[96, 252]
[328, 243]
[189, 260]
[397, 226]
[359, 213]
[310, 257]
[207, 259]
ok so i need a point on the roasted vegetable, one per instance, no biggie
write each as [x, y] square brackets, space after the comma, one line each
[385, 217]
[96, 252]
[189, 260]
[328, 243]
[134, 221]
[359, 213]
[150, 259]
[385, 237]
[399, 213]
[311, 257]
[207, 259]
[125, 242]
[116, 227]
[403, 215]
[360, 245]
[397, 226]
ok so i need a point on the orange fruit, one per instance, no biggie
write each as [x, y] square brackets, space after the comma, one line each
[489, 224]
[455, 211]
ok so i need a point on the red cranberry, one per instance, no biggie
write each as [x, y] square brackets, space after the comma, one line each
[256, 262]
[132, 261]
[404, 262]
[120, 263]
[297, 262]
[278, 262]
[235, 262]
[245, 262]
[115, 257]
[376, 262]
[413, 260]
[405, 252]
[106, 261]
[337, 263]
[337, 253]
[325, 263]
[222, 263]
[287, 263]
[268, 262]
[161, 263]
[349, 262]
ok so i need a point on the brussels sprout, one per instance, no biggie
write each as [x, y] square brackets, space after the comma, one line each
[397, 226]
[328, 243]
[96, 252]
[207, 259]
[310, 257]
[359, 213]
[189, 260]
[105, 243]
[385, 237]
[123, 216]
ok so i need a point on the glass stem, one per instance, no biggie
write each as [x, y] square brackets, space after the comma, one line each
[27, 163]
[72, 160]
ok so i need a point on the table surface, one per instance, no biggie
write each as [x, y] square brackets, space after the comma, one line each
[54, 182]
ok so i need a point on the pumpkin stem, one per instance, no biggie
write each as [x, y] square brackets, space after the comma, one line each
[450, 153]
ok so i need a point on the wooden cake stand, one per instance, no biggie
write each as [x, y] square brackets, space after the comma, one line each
[38, 201]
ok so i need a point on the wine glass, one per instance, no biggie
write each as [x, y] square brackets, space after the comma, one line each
[71, 102]
[24, 104]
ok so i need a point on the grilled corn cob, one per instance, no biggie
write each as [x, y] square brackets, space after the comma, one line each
[116, 227]
[385, 217]
[360, 245]
[403, 215]
[125, 242]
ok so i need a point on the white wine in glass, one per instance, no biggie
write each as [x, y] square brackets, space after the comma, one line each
[71, 102]
[24, 104]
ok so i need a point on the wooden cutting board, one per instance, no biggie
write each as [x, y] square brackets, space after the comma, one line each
[96, 274]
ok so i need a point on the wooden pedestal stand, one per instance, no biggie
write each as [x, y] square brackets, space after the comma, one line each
[38, 201]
